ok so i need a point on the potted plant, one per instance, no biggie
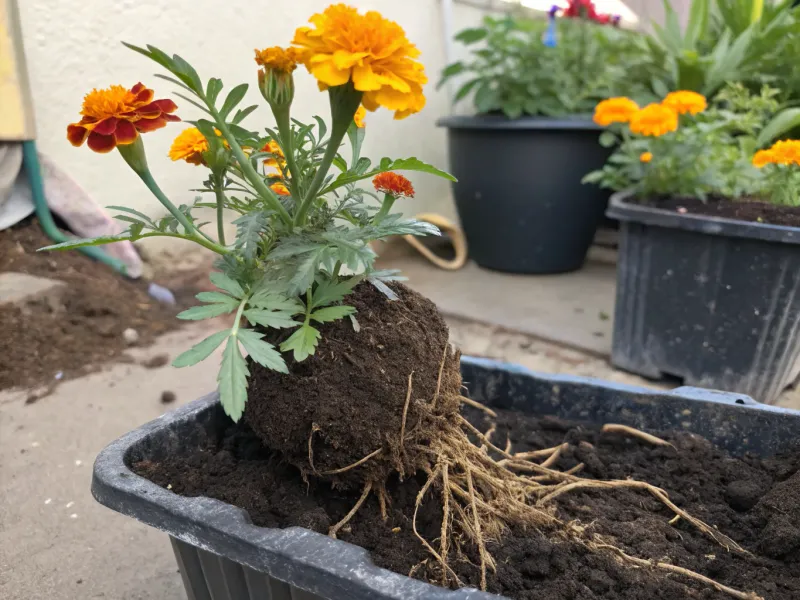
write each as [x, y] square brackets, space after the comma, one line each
[351, 391]
[520, 160]
[706, 284]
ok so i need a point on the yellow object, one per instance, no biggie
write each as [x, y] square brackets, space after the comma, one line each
[683, 102]
[654, 120]
[782, 152]
[189, 146]
[16, 105]
[369, 50]
[646, 157]
[614, 110]
[280, 59]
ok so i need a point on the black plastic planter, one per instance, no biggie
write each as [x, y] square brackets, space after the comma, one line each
[519, 193]
[222, 556]
[715, 302]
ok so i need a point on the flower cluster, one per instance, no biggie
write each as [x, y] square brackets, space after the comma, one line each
[585, 9]
[783, 152]
[653, 120]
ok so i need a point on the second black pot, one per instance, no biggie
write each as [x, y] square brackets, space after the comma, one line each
[519, 193]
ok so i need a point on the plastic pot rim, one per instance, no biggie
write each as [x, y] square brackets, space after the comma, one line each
[500, 122]
[619, 208]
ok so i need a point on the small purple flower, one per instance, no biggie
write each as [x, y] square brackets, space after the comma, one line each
[553, 10]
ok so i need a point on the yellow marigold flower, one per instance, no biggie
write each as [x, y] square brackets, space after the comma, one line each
[368, 49]
[683, 102]
[614, 110]
[359, 117]
[279, 188]
[117, 115]
[646, 157]
[783, 152]
[189, 146]
[279, 59]
[654, 120]
[278, 158]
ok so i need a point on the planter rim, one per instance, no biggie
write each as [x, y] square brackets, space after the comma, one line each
[494, 122]
[620, 209]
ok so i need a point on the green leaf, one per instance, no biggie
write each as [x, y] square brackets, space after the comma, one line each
[271, 300]
[213, 88]
[234, 97]
[387, 164]
[174, 81]
[249, 228]
[187, 74]
[780, 125]
[449, 71]
[260, 351]
[217, 298]
[304, 272]
[224, 282]
[332, 290]
[206, 311]
[83, 242]
[472, 35]
[143, 217]
[232, 380]
[607, 139]
[241, 115]
[698, 22]
[201, 351]
[465, 89]
[302, 342]
[268, 318]
[332, 313]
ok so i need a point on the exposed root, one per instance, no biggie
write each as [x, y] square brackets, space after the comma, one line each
[358, 463]
[383, 501]
[478, 405]
[335, 529]
[722, 539]
[405, 411]
[444, 539]
[314, 429]
[640, 562]
[645, 437]
[553, 458]
[439, 379]
[486, 558]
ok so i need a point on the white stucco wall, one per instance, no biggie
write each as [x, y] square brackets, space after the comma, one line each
[74, 45]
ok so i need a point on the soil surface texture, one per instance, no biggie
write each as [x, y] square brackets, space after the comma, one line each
[755, 501]
[740, 210]
[348, 400]
[86, 329]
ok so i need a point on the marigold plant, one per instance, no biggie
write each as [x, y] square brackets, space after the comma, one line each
[780, 165]
[687, 146]
[304, 225]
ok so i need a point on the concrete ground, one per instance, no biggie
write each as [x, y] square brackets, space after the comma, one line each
[57, 543]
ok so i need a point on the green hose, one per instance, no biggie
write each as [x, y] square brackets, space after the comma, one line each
[30, 159]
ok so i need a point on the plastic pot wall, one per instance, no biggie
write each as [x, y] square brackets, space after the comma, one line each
[223, 556]
[715, 302]
[519, 193]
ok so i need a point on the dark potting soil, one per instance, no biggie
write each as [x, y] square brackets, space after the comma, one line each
[740, 210]
[754, 501]
[86, 327]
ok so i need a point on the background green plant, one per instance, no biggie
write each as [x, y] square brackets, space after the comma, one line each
[511, 71]
[710, 155]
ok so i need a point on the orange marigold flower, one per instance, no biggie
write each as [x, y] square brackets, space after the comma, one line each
[783, 152]
[614, 110]
[368, 49]
[359, 117]
[279, 59]
[116, 115]
[189, 146]
[393, 184]
[278, 158]
[646, 157]
[683, 102]
[279, 187]
[654, 120]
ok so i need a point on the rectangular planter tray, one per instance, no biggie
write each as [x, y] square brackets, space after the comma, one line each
[223, 556]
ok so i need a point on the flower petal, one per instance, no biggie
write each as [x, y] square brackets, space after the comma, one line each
[126, 133]
[147, 125]
[101, 143]
[77, 134]
[327, 73]
[106, 126]
[144, 96]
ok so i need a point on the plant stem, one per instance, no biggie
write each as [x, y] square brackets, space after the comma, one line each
[197, 240]
[388, 201]
[284, 122]
[337, 135]
[249, 172]
[238, 319]
[219, 183]
[192, 232]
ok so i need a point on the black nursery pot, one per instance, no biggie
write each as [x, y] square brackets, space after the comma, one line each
[223, 556]
[519, 193]
[712, 301]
